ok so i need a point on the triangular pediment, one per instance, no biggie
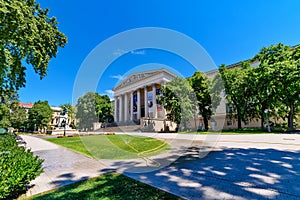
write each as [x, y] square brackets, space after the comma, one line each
[133, 78]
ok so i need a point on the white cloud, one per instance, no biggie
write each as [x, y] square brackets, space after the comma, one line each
[110, 93]
[141, 52]
[119, 52]
[119, 77]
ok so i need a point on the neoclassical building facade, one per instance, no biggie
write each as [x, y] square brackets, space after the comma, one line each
[135, 101]
[135, 97]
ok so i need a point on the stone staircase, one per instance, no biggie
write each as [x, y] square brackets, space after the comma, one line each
[120, 128]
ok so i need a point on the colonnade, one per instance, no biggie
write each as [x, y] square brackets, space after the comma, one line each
[134, 104]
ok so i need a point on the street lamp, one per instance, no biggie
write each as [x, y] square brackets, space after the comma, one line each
[64, 121]
[267, 120]
[149, 104]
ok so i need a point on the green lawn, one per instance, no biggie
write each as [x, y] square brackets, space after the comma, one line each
[108, 186]
[113, 146]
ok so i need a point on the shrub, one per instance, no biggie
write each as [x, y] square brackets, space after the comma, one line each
[18, 167]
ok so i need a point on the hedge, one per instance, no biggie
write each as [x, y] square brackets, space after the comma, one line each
[18, 167]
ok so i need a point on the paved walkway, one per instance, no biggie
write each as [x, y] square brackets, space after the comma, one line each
[61, 166]
[263, 166]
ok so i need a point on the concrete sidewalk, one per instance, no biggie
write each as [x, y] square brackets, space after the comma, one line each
[261, 141]
[61, 166]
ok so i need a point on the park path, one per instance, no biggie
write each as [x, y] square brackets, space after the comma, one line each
[265, 166]
[61, 166]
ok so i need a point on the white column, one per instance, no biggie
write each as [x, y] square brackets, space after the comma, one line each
[120, 108]
[154, 100]
[131, 105]
[126, 107]
[138, 104]
[146, 101]
[115, 109]
[163, 84]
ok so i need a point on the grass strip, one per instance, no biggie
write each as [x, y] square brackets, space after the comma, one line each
[110, 186]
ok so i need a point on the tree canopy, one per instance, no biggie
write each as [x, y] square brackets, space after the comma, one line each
[200, 85]
[92, 108]
[11, 113]
[40, 115]
[179, 100]
[4, 116]
[236, 90]
[272, 87]
[278, 74]
[104, 109]
[18, 115]
[27, 36]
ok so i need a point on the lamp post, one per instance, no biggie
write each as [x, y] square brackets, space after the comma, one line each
[64, 121]
[267, 120]
[148, 111]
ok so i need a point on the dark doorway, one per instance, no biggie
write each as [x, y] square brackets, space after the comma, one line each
[142, 111]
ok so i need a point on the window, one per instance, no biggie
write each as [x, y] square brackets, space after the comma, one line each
[229, 108]
[214, 110]
[229, 123]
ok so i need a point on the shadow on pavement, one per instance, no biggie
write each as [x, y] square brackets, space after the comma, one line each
[228, 174]
[66, 179]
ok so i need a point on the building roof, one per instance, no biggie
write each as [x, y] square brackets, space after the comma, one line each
[56, 109]
[136, 77]
[26, 105]
[30, 105]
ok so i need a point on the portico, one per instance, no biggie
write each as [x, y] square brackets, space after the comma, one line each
[136, 96]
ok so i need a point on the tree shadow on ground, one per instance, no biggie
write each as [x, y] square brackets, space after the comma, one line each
[235, 173]
[107, 186]
[67, 178]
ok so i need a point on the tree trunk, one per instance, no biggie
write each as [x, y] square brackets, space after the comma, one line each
[239, 122]
[262, 119]
[291, 117]
[205, 120]
[239, 118]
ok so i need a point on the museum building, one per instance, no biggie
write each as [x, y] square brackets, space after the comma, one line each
[135, 101]
[135, 98]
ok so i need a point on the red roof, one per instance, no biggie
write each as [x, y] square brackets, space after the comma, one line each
[26, 105]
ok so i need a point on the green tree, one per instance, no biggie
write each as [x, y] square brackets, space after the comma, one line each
[86, 110]
[18, 115]
[5, 101]
[279, 68]
[179, 100]
[200, 85]
[4, 116]
[40, 115]
[258, 93]
[216, 87]
[104, 108]
[236, 90]
[28, 35]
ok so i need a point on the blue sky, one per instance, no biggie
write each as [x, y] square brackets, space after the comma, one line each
[230, 31]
